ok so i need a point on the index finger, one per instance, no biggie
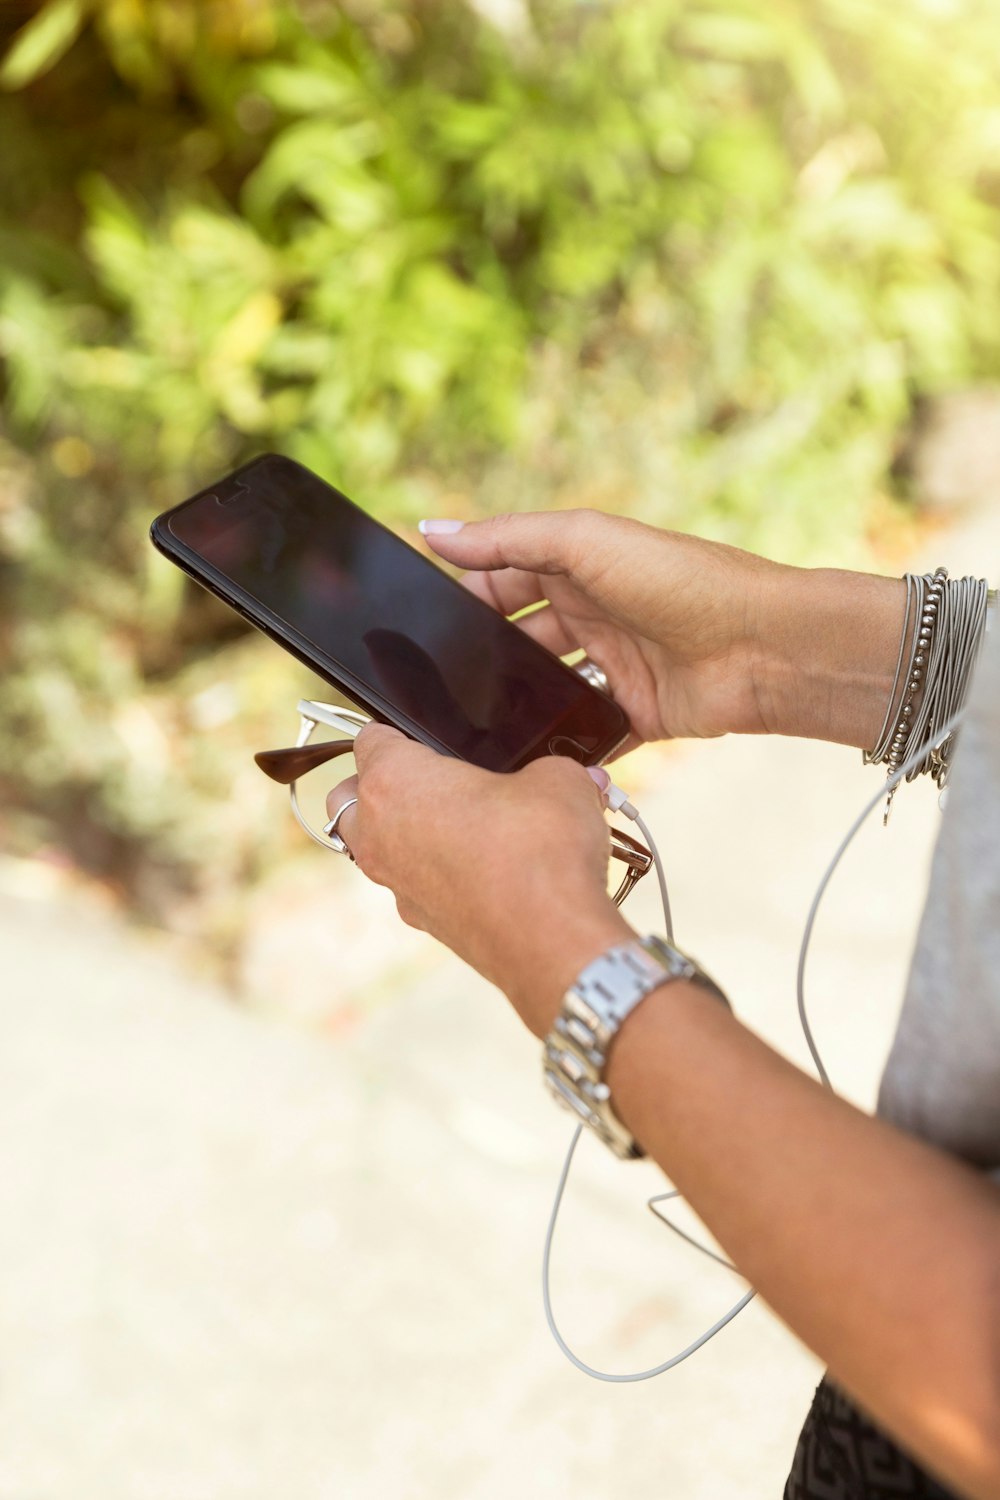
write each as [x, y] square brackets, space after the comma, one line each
[508, 590]
[534, 542]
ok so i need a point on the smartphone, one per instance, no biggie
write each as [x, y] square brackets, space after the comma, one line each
[381, 623]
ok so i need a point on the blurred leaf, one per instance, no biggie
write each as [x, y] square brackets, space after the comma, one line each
[302, 90]
[40, 43]
[244, 336]
[320, 163]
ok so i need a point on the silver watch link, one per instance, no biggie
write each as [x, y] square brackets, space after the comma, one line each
[595, 1006]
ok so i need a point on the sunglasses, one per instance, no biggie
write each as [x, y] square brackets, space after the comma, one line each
[289, 765]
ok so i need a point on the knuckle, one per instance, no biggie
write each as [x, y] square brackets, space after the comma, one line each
[372, 744]
[584, 527]
[498, 531]
[582, 516]
[365, 740]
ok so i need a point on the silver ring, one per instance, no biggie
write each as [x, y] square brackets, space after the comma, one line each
[330, 829]
[595, 675]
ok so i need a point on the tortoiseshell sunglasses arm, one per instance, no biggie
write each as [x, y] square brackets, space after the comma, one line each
[286, 766]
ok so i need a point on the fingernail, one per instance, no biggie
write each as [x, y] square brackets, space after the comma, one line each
[600, 776]
[439, 528]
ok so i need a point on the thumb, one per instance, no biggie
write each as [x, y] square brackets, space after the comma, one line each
[541, 542]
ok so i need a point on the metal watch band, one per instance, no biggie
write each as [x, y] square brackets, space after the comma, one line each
[595, 1006]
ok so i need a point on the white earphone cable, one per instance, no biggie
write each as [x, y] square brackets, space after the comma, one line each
[619, 801]
[800, 978]
[622, 804]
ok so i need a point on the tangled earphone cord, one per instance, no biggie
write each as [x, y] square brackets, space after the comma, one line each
[717, 1327]
[950, 726]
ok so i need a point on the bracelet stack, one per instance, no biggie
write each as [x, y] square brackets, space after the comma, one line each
[943, 629]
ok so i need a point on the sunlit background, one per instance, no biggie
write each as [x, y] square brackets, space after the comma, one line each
[732, 267]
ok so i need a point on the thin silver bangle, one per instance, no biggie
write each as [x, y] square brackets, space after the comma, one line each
[944, 625]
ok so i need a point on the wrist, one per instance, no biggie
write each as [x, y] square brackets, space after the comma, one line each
[602, 1005]
[670, 1024]
[574, 938]
[826, 652]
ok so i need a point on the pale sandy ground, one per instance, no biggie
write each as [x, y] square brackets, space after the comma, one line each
[240, 1261]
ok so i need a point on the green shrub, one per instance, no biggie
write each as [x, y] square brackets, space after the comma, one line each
[694, 260]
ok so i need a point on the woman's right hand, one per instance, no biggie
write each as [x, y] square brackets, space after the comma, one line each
[697, 638]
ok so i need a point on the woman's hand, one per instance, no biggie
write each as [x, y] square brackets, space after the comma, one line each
[510, 871]
[696, 638]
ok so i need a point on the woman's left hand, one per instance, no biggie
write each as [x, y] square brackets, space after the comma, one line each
[510, 871]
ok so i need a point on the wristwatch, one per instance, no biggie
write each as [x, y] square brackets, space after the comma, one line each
[595, 1006]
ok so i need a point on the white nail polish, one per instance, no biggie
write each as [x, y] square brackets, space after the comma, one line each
[439, 528]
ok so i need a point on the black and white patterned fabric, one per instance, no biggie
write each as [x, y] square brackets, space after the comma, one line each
[842, 1456]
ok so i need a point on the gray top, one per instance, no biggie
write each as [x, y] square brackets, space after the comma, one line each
[942, 1080]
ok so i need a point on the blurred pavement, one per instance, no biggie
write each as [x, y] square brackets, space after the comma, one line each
[239, 1260]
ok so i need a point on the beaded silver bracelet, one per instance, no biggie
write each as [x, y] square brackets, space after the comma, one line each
[944, 623]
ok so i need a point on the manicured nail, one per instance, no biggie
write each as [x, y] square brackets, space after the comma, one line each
[439, 528]
[600, 776]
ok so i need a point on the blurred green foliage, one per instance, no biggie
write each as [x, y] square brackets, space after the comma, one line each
[693, 259]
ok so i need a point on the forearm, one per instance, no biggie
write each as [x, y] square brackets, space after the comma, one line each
[826, 647]
[880, 1253]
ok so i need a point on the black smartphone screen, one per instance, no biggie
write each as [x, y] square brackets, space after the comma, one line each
[393, 621]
